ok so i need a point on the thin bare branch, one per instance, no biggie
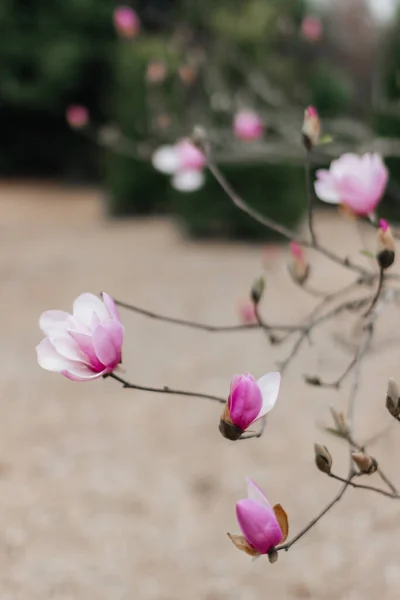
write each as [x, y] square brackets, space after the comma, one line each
[204, 326]
[164, 390]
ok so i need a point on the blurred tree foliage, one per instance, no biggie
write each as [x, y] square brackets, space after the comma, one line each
[52, 53]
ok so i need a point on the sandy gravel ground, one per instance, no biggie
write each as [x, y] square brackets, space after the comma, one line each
[108, 494]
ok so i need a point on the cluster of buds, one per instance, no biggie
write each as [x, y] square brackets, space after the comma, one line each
[311, 129]
[299, 268]
[393, 398]
[386, 248]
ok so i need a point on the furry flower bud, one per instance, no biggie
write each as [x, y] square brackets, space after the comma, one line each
[257, 290]
[365, 463]
[323, 459]
[393, 398]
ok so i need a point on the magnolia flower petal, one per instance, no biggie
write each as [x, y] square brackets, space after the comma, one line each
[115, 332]
[241, 544]
[85, 343]
[166, 159]
[188, 180]
[258, 525]
[49, 359]
[67, 347]
[111, 306]
[54, 321]
[325, 188]
[245, 401]
[88, 304]
[256, 494]
[82, 373]
[106, 350]
[269, 385]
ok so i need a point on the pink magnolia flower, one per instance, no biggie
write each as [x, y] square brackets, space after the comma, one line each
[311, 127]
[247, 312]
[184, 162]
[311, 28]
[126, 21]
[247, 126]
[263, 526]
[249, 400]
[77, 116]
[85, 345]
[357, 182]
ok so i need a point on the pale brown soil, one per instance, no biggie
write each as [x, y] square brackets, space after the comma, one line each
[110, 494]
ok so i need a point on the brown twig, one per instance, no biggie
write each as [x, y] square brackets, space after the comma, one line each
[316, 381]
[378, 292]
[314, 521]
[164, 390]
[310, 198]
[204, 326]
[360, 486]
[277, 227]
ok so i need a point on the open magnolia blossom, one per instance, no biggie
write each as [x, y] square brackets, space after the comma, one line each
[263, 526]
[248, 126]
[357, 182]
[85, 345]
[184, 162]
[249, 400]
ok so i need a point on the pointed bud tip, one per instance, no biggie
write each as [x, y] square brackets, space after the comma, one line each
[393, 398]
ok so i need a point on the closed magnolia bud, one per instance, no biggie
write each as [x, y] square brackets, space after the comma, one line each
[323, 459]
[393, 398]
[311, 129]
[386, 247]
[273, 556]
[257, 290]
[365, 463]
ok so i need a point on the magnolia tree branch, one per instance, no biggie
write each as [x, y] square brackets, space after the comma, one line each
[164, 390]
[277, 227]
[204, 326]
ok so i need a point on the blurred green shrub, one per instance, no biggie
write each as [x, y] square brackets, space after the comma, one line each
[53, 53]
[134, 186]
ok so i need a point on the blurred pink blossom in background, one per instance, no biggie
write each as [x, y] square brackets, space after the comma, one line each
[248, 126]
[85, 345]
[77, 116]
[126, 21]
[156, 71]
[247, 312]
[184, 162]
[311, 28]
[357, 182]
